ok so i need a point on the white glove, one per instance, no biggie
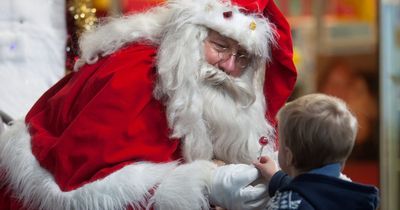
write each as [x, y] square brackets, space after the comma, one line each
[231, 189]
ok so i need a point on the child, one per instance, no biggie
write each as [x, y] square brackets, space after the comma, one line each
[317, 133]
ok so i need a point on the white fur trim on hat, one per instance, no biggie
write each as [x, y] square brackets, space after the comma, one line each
[252, 31]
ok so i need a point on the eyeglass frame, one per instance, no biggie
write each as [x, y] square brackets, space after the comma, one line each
[226, 52]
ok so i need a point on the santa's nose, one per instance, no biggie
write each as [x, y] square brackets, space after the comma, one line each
[229, 66]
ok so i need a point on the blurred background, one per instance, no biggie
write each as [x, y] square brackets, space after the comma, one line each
[346, 48]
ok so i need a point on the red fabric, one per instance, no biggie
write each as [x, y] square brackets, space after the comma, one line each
[101, 118]
[281, 73]
[7, 201]
[253, 6]
[131, 6]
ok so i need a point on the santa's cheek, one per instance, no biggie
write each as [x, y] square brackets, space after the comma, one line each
[236, 73]
[211, 57]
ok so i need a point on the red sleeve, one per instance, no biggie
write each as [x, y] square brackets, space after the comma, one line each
[7, 201]
[101, 118]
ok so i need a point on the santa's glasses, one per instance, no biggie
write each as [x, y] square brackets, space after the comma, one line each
[242, 58]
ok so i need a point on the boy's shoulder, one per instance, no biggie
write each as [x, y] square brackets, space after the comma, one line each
[320, 190]
[288, 199]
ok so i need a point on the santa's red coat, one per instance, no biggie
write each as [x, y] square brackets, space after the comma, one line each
[101, 118]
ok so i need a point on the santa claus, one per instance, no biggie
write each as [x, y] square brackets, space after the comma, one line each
[157, 99]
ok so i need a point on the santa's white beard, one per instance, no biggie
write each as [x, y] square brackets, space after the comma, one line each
[219, 117]
[234, 114]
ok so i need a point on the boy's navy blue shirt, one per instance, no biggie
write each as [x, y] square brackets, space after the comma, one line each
[320, 189]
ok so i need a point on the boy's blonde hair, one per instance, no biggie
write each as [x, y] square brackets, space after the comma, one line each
[318, 129]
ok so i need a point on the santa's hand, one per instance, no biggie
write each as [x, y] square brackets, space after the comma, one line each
[231, 189]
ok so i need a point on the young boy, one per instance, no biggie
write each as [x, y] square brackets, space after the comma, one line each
[317, 133]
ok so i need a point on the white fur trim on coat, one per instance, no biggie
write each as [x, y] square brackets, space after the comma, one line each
[115, 33]
[129, 186]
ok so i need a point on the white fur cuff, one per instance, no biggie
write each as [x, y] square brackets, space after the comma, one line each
[187, 187]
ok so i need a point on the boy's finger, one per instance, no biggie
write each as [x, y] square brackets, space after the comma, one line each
[263, 159]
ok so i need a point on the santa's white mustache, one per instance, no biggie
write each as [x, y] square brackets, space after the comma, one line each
[241, 91]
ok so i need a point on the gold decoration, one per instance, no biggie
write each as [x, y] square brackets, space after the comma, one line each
[253, 25]
[84, 14]
[101, 5]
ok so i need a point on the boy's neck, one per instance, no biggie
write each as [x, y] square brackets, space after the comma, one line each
[332, 169]
[293, 172]
[297, 172]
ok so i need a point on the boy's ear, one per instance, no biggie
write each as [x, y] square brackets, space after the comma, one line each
[289, 156]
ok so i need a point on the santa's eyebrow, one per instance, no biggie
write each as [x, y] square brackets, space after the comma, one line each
[219, 38]
[241, 49]
[223, 40]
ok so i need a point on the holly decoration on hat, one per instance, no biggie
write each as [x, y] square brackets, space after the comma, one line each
[227, 14]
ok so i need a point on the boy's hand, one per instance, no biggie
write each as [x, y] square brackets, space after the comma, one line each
[218, 162]
[267, 167]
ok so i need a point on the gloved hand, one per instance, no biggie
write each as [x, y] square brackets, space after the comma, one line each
[231, 189]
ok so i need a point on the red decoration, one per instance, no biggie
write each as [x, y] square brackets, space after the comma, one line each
[227, 14]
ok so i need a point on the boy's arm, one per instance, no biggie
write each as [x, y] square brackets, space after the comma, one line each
[278, 180]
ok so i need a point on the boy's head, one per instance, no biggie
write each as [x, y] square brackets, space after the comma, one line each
[315, 130]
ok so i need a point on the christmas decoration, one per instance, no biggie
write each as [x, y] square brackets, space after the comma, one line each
[83, 13]
[81, 16]
[102, 6]
[253, 26]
